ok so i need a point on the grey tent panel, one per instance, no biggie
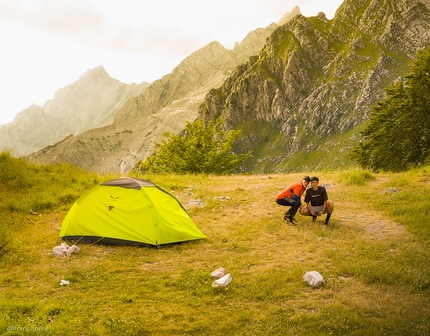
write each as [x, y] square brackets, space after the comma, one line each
[136, 183]
[129, 183]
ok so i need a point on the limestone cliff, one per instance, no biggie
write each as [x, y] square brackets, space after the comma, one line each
[301, 100]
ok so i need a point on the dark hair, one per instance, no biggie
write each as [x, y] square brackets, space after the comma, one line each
[306, 178]
[314, 178]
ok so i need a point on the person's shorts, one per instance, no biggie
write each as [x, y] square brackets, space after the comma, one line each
[317, 208]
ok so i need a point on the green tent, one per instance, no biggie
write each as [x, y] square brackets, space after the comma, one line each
[128, 211]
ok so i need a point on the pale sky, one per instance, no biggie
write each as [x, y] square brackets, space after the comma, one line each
[48, 44]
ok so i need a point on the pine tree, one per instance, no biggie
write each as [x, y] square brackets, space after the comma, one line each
[397, 136]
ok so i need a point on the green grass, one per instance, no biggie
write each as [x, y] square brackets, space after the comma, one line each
[373, 256]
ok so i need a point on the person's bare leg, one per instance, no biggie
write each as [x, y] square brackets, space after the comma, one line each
[329, 209]
[304, 211]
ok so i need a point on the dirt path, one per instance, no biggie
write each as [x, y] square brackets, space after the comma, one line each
[373, 224]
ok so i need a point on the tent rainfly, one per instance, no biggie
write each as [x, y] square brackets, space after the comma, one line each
[128, 211]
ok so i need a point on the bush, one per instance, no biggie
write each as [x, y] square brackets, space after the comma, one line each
[199, 149]
[13, 172]
[358, 177]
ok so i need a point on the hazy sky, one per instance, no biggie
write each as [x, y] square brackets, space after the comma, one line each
[48, 44]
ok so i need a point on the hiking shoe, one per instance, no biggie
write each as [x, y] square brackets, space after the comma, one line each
[290, 220]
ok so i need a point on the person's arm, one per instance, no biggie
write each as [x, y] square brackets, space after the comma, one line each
[325, 196]
[308, 206]
[296, 190]
[307, 203]
[292, 189]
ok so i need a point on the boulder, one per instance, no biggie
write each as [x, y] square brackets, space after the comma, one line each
[222, 282]
[218, 273]
[314, 279]
[64, 249]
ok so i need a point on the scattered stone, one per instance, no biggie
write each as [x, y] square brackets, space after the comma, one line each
[222, 282]
[74, 249]
[64, 282]
[195, 202]
[65, 250]
[194, 187]
[392, 190]
[314, 279]
[218, 273]
[222, 198]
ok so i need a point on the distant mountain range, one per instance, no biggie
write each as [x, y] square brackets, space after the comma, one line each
[90, 102]
[164, 106]
[299, 90]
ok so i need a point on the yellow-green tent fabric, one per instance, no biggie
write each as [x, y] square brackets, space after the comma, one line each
[128, 211]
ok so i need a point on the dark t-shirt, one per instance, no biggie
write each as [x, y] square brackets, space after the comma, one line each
[316, 197]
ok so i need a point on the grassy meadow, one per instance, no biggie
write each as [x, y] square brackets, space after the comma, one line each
[374, 257]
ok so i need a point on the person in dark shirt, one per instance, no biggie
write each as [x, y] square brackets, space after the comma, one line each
[317, 202]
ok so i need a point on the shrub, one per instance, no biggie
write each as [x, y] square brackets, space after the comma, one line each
[357, 177]
[199, 149]
[13, 172]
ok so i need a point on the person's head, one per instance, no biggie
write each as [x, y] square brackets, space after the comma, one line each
[314, 182]
[305, 181]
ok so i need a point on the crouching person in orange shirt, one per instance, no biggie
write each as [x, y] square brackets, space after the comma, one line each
[290, 196]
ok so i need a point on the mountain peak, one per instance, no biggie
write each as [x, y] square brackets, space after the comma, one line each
[288, 16]
[99, 71]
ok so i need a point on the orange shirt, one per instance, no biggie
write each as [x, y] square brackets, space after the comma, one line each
[297, 188]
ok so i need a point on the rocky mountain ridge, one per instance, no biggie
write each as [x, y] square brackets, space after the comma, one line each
[90, 102]
[302, 99]
[164, 106]
[299, 99]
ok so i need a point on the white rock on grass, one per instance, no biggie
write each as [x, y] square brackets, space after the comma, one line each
[64, 249]
[218, 273]
[314, 279]
[222, 282]
[74, 249]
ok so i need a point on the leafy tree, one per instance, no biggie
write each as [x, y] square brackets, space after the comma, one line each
[397, 136]
[198, 149]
